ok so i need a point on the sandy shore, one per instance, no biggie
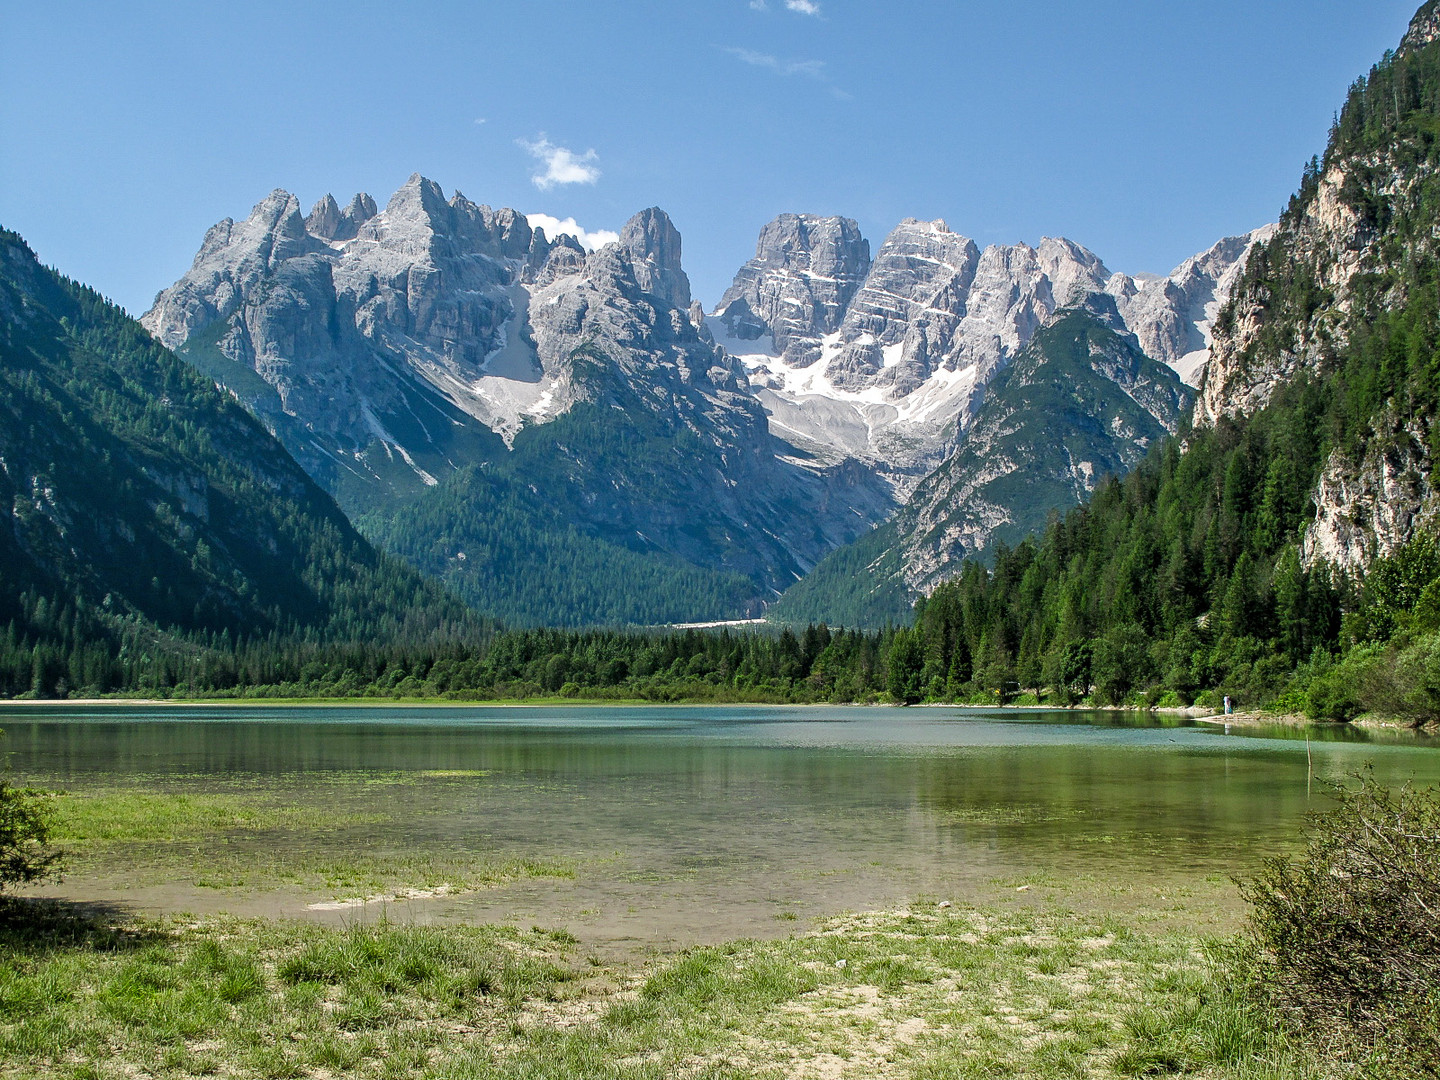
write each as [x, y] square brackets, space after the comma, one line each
[1257, 719]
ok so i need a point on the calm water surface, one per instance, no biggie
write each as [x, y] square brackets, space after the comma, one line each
[697, 823]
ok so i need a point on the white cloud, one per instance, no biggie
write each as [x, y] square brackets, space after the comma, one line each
[480, 120]
[812, 69]
[553, 227]
[562, 166]
[803, 7]
[759, 5]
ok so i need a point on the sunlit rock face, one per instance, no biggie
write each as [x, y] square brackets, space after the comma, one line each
[887, 361]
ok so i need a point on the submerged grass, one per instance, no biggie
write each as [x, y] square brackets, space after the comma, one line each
[905, 994]
[319, 839]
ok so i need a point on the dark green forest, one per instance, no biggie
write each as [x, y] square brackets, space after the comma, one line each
[815, 665]
[152, 519]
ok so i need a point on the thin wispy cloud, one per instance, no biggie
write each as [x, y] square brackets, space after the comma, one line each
[809, 69]
[480, 120]
[813, 69]
[800, 7]
[562, 166]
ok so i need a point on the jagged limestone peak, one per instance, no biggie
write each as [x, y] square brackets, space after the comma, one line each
[653, 244]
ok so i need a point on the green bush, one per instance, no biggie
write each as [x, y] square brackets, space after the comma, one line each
[25, 827]
[1347, 935]
[1339, 694]
[1405, 685]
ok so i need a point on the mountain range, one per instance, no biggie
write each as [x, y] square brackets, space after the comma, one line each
[564, 437]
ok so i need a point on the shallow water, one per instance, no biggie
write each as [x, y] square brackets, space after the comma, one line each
[703, 823]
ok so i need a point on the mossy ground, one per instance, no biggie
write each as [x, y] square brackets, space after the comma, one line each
[923, 993]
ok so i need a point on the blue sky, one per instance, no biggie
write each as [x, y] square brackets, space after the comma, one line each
[1143, 129]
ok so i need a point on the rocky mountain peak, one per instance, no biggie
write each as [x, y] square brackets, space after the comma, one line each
[324, 218]
[361, 209]
[420, 199]
[1424, 27]
[653, 244]
[806, 243]
[327, 221]
[274, 231]
[1075, 272]
[805, 271]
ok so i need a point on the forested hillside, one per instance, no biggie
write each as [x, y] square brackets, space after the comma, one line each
[149, 517]
[1285, 547]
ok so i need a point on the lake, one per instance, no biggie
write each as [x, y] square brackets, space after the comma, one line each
[683, 824]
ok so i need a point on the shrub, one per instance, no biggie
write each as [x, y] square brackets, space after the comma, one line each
[1347, 935]
[1338, 693]
[25, 825]
[1406, 686]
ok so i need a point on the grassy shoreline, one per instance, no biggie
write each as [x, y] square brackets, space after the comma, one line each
[924, 993]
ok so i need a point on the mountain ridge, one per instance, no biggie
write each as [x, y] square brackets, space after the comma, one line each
[396, 351]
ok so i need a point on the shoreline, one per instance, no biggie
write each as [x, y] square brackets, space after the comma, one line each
[1199, 714]
[1261, 719]
[1192, 711]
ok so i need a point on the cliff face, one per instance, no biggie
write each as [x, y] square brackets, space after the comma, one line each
[1260, 342]
[1371, 503]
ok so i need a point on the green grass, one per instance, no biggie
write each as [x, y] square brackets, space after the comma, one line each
[906, 994]
[311, 837]
[255, 999]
